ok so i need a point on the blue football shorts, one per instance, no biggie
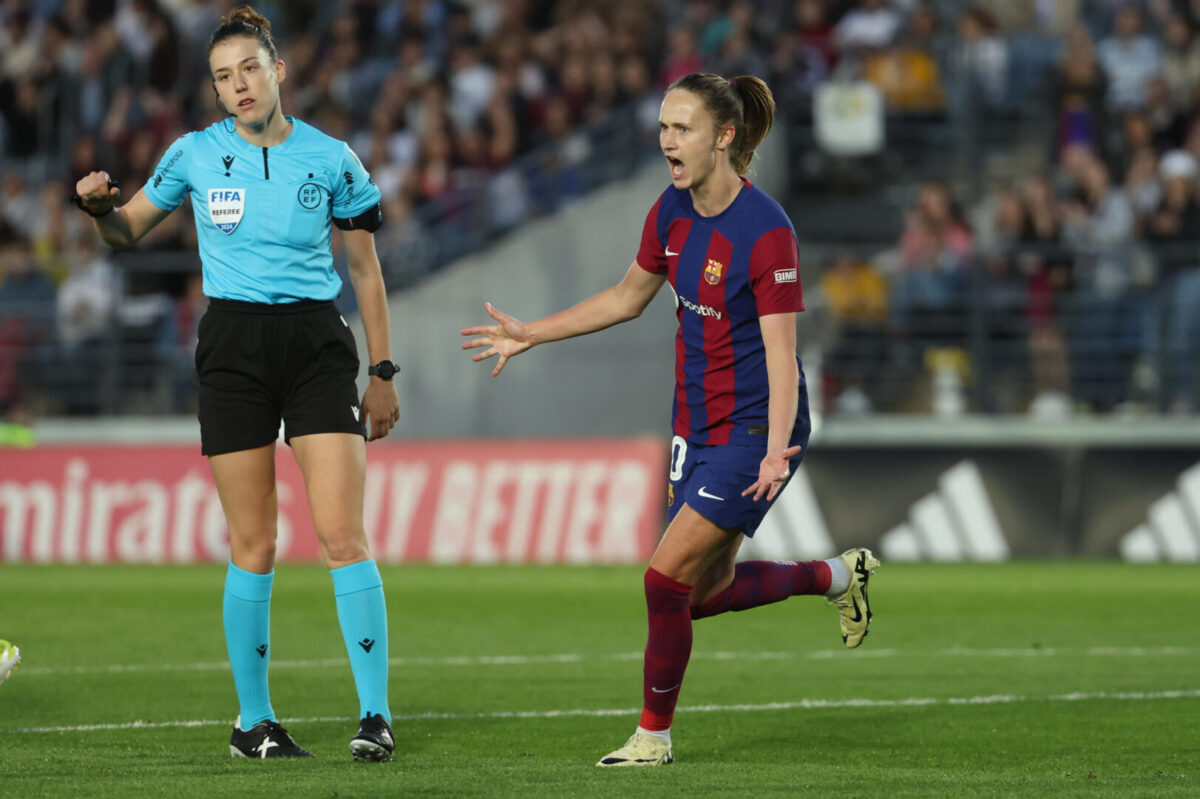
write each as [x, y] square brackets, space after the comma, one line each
[711, 479]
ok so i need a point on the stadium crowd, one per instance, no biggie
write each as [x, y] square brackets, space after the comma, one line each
[1065, 285]
[1058, 285]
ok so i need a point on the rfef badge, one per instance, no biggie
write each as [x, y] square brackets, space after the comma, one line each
[225, 208]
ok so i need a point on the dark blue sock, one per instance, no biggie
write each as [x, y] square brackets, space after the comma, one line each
[247, 614]
[362, 614]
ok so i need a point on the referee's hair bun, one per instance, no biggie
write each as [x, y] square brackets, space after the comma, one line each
[249, 16]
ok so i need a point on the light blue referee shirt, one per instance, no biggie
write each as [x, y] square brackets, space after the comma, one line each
[264, 214]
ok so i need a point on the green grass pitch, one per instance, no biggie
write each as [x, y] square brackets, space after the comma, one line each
[1038, 679]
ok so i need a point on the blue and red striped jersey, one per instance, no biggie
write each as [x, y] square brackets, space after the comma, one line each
[727, 271]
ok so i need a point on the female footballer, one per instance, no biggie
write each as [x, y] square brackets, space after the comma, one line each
[740, 416]
[266, 189]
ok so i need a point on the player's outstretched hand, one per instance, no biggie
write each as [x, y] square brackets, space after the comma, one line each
[381, 408]
[507, 338]
[773, 472]
[96, 193]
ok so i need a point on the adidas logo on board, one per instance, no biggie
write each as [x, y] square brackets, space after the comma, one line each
[1172, 528]
[954, 523]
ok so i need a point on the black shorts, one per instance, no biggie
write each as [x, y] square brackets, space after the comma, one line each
[257, 364]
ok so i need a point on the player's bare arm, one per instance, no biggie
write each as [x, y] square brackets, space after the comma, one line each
[783, 378]
[510, 337]
[119, 227]
[380, 402]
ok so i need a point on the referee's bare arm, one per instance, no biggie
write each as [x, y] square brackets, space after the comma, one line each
[380, 402]
[118, 227]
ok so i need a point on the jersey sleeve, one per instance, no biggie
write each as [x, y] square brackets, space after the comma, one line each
[651, 254]
[775, 273]
[354, 192]
[168, 186]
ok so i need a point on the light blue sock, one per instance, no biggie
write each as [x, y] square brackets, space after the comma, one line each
[362, 614]
[247, 614]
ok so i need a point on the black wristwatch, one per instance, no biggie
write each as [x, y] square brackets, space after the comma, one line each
[384, 370]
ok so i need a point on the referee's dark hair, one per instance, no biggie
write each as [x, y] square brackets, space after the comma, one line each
[245, 21]
[745, 102]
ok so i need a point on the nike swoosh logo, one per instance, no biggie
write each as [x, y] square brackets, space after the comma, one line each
[707, 495]
[671, 253]
[665, 690]
[857, 612]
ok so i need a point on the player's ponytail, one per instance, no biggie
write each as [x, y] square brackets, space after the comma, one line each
[245, 21]
[758, 114]
[745, 102]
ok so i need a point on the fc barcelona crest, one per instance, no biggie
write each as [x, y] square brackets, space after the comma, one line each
[712, 272]
[225, 208]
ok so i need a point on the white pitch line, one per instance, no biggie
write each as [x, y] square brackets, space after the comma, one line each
[526, 660]
[803, 704]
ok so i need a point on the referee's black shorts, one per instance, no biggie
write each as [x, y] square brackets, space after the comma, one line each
[257, 364]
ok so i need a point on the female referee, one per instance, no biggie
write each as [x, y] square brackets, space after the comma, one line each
[740, 414]
[265, 189]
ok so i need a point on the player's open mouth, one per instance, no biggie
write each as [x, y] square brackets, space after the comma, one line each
[676, 167]
[246, 103]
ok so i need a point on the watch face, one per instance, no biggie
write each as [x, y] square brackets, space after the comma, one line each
[385, 369]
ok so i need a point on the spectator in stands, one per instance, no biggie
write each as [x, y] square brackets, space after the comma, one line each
[935, 252]
[1099, 226]
[1181, 61]
[873, 25]
[856, 294]
[87, 305]
[1048, 264]
[1142, 184]
[814, 33]
[1003, 301]
[738, 55]
[20, 43]
[1130, 57]
[20, 208]
[472, 82]
[981, 57]
[1104, 324]
[906, 73]
[564, 152]
[1168, 124]
[27, 310]
[87, 297]
[682, 58]
[603, 93]
[1123, 141]
[1174, 230]
[1077, 95]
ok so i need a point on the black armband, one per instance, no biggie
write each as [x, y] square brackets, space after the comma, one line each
[369, 220]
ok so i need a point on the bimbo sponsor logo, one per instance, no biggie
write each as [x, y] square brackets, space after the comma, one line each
[785, 275]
